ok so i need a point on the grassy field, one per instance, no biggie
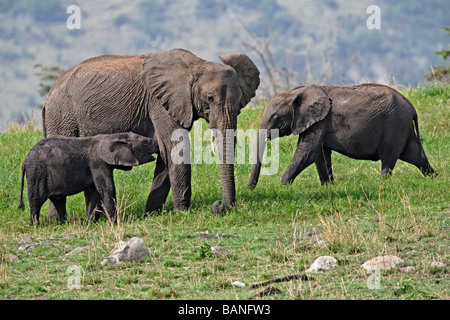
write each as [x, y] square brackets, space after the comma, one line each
[359, 217]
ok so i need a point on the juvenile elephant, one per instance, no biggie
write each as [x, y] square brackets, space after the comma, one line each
[155, 95]
[60, 166]
[367, 121]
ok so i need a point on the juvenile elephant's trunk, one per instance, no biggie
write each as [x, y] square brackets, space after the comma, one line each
[261, 140]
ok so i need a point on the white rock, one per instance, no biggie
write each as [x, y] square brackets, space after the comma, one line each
[31, 246]
[383, 263]
[408, 269]
[238, 284]
[13, 258]
[218, 250]
[26, 240]
[323, 263]
[437, 264]
[133, 249]
[77, 250]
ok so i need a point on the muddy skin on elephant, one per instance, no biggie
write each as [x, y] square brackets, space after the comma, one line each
[369, 121]
[60, 166]
[154, 95]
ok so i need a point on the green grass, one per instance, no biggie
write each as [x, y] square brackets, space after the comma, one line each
[359, 217]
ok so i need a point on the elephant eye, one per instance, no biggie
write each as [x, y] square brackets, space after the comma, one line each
[210, 98]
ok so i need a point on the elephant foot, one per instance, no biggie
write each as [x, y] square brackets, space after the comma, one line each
[219, 207]
[152, 209]
[429, 171]
[286, 182]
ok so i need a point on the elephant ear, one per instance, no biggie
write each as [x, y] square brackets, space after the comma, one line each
[168, 76]
[116, 152]
[310, 105]
[247, 74]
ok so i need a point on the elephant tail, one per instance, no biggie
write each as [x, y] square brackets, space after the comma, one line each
[21, 205]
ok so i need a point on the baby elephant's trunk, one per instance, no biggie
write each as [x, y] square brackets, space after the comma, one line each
[21, 205]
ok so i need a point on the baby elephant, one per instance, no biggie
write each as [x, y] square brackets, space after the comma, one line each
[60, 166]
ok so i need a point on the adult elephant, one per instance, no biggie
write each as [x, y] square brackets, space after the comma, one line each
[153, 95]
[369, 121]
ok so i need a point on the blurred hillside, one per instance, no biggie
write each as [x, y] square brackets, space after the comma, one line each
[316, 41]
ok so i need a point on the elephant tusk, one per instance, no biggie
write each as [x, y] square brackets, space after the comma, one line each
[212, 143]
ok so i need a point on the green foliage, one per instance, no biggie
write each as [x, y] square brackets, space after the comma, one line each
[47, 75]
[203, 252]
[445, 53]
[441, 73]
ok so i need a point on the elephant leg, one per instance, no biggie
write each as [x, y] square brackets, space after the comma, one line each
[104, 184]
[177, 177]
[414, 154]
[389, 157]
[93, 201]
[172, 171]
[180, 177]
[160, 187]
[387, 166]
[323, 165]
[59, 204]
[35, 209]
[309, 150]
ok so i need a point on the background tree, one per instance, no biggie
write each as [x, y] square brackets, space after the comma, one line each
[441, 73]
[47, 76]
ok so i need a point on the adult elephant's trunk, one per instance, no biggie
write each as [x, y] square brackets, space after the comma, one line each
[261, 140]
[226, 143]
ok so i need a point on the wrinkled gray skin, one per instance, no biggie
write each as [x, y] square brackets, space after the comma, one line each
[154, 95]
[60, 166]
[369, 121]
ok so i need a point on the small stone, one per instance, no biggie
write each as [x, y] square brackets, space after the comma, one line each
[218, 250]
[133, 249]
[323, 263]
[438, 264]
[408, 269]
[27, 247]
[77, 250]
[26, 239]
[319, 243]
[13, 258]
[31, 246]
[238, 284]
[383, 263]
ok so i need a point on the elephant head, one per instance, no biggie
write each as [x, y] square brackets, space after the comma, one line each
[291, 112]
[126, 149]
[189, 88]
